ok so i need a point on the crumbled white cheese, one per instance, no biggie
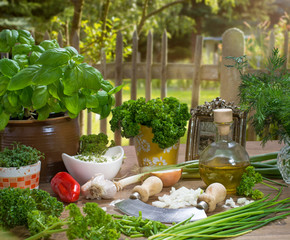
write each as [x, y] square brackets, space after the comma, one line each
[182, 197]
[240, 202]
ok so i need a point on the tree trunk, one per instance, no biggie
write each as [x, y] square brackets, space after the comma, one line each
[198, 31]
[77, 17]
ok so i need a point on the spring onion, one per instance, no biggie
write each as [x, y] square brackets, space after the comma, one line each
[231, 223]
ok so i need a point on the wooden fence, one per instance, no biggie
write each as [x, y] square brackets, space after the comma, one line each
[233, 44]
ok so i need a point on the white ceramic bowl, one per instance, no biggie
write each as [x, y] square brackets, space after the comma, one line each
[83, 171]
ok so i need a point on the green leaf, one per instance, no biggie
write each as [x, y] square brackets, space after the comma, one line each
[37, 48]
[40, 97]
[49, 44]
[34, 56]
[72, 103]
[4, 46]
[13, 99]
[92, 101]
[4, 81]
[102, 97]
[9, 67]
[4, 119]
[23, 78]
[43, 113]
[115, 89]
[72, 51]
[25, 97]
[105, 111]
[92, 77]
[12, 38]
[21, 49]
[54, 57]
[106, 85]
[53, 90]
[47, 75]
[22, 60]
[25, 37]
[72, 80]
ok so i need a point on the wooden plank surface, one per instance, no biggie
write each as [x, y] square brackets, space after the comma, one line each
[276, 230]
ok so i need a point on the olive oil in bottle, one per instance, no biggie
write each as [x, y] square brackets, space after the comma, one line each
[224, 160]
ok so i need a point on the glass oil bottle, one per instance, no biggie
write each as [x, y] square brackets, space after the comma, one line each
[224, 160]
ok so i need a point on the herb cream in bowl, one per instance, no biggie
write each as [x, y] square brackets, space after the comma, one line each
[83, 167]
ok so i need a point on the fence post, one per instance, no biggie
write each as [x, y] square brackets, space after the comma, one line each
[164, 65]
[196, 72]
[118, 76]
[134, 71]
[233, 44]
[60, 39]
[149, 57]
[46, 36]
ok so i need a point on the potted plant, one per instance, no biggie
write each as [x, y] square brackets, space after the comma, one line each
[42, 85]
[157, 126]
[268, 94]
[20, 166]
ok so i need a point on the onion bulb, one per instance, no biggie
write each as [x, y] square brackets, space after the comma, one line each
[168, 177]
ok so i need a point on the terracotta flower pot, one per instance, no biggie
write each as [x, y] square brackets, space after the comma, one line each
[22, 177]
[149, 153]
[52, 137]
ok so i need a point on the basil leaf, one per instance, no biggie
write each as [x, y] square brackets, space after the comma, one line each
[115, 89]
[105, 111]
[72, 51]
[40, 97]
[12, 38]
[23, 78]
[102, 97]
[49, 44]
[72, 103]
[92, 101]
[92, 77]
[13, 99]
[4, 119]
[54, 57]
[4, 81]
[9, 67]
[4, 47]
[72, 80]
[21, 49]
[53, 90]
[43, 113]
[22, 60]
[34, 56]
[25, 97]
[25, 37]
[47, 75]
[106, 85]
[37, 48]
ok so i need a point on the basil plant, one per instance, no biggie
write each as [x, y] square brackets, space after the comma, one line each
[38, 80]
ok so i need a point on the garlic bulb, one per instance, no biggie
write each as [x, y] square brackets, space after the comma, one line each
[98, 187]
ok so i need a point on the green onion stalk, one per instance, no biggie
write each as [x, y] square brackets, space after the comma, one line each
[265, 164]
[231, 223]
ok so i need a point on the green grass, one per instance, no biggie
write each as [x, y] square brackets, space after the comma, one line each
[176, 88]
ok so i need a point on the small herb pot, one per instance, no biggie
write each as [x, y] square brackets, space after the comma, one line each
[150, 154]
[22, 177]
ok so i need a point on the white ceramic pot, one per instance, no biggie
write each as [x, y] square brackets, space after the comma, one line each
[23, 177]
[83, 171]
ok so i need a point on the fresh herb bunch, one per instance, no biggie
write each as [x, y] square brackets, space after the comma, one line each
[249, 179]
[19, 155]
[268, 93]
[45, 78]
[167, 117]
[95, 144]
[16, 204]
[94, 224]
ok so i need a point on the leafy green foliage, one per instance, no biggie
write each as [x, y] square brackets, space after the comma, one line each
[95, 144]
[19, 155]
[168, 119]
[57, 78]
[268, 93]
[16, 204]
[94, 224]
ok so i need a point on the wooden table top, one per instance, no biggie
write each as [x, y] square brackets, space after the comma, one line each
[275, 230]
